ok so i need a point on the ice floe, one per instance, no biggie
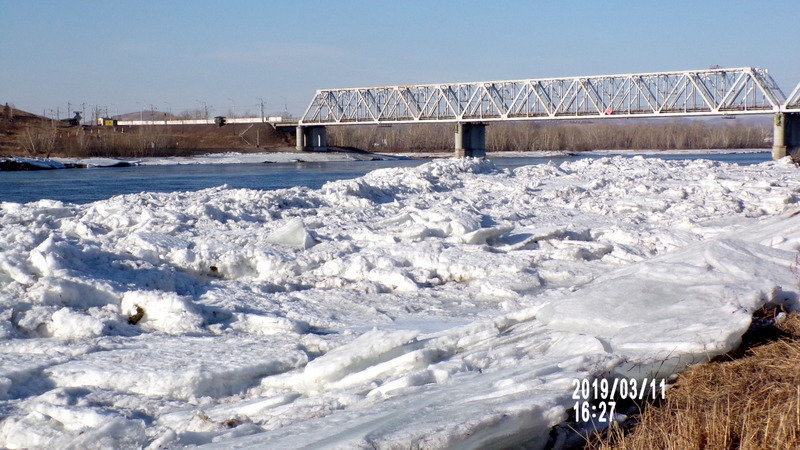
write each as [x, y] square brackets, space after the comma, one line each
[446, 305]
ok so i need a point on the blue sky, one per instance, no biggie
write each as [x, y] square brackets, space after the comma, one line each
[175, 55]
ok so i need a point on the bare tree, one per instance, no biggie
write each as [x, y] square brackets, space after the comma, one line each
[39, 140]
[556, 137]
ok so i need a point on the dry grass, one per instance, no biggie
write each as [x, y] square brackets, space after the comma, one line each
[749, 402]
[25, 133]
[164, 140]
[791, 325]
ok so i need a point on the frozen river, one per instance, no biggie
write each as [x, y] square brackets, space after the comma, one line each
[452, 303]
[83, 186]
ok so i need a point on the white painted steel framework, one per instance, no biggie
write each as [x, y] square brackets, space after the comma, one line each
[696, 92]
[793, 101]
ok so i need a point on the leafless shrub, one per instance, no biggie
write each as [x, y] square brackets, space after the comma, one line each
[39, 140]
[141, 142]
[397, 137]
[522, 136]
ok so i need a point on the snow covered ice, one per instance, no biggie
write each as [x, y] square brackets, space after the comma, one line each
[447, 305]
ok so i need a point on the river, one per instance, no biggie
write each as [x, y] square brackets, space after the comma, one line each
[88, 185]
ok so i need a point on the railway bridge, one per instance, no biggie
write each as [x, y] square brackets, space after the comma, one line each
[471, 107]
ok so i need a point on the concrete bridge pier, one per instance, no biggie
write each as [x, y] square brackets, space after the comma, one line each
[313, 138]
[786, 135]
[470, 139]
[300, 138]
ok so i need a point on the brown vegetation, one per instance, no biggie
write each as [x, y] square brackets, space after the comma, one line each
[39, 139]
[27, 134]
[558, 137]
[15, 138]
[750, 402]
[417, 137]
[138, 142]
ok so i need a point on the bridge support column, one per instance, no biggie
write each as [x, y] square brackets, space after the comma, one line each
[786, 135]
[300, 138]
[470, 140]
[314, 138]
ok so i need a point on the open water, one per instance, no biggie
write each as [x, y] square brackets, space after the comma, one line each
[88, 185]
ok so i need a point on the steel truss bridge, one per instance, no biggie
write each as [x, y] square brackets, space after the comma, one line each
[723, 92]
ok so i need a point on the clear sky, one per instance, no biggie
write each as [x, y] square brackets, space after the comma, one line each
[174, 55]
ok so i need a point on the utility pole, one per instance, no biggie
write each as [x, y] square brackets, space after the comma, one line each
[285, 107]
[233, 107]
[262, 108]
[205, 108]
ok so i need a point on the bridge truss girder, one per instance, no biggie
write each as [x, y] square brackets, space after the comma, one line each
[685, 93]
[793, 101]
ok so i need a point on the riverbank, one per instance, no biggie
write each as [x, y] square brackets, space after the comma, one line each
[749, 400]
[23, 133]
[18, 163]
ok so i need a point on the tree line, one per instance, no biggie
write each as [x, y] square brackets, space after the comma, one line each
[520, 136]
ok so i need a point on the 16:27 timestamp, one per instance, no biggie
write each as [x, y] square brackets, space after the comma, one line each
[602, 411]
